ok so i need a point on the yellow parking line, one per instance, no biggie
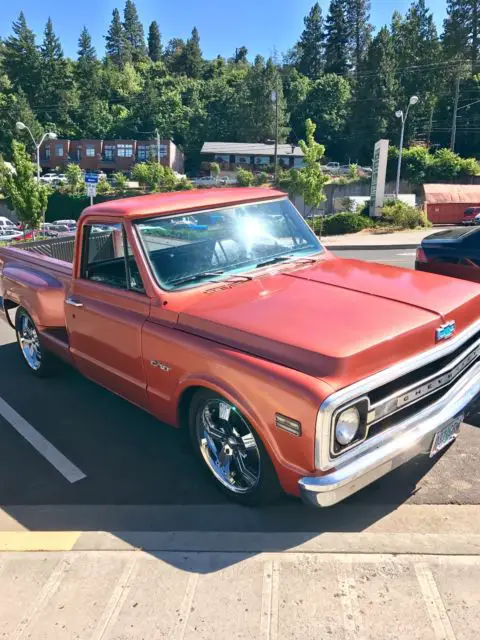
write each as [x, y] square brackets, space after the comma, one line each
[38, 540]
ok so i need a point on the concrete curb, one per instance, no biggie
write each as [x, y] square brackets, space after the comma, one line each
[369, 247]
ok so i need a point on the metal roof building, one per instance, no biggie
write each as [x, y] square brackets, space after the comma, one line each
[446, 203]
[250, 148]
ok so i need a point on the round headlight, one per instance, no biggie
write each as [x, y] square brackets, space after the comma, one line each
[347, 426]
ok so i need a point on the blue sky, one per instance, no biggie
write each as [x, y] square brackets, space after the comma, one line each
[260, 25]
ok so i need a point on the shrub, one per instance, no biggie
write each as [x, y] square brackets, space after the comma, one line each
[120, 181]
[399, 214]
[103, 188]
[214, 169]
[316, 224]
[183, 185]
[244, 178]
[353, 171]
[260, 178]
[344, 223]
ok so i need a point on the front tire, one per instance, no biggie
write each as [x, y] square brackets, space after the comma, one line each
[231, 451]
[39, 361]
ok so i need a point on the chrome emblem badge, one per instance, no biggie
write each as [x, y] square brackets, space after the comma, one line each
[159, 365]
[445, 331]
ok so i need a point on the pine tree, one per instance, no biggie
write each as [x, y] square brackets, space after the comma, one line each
[417, 50]
[116, 47]
[377, 92]
[174, 55]
[154, 42]
[21, 59]
[311, 44]
[134, 34]
[240, 55]
[86, 51]
[337, 38]
[462, 29]
[360, 29]
[56, 79]
[192, 56]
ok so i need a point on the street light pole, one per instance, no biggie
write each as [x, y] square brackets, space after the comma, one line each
[399, 114]
[158, 145]
[48, 135]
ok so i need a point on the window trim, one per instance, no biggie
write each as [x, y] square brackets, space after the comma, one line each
[84, 259]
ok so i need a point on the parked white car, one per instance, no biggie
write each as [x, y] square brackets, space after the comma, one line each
[7, 234]
[206, 181]
[49, 178]
[6, 223]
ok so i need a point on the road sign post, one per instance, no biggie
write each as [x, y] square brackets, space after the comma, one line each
[91, 180]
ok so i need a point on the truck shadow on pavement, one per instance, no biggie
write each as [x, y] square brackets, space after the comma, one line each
[143, 482]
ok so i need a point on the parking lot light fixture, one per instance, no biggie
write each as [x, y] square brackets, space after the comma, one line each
[403, 117]
[48, 135]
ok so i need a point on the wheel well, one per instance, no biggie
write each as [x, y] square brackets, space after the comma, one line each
[8, 306]
[184, 405]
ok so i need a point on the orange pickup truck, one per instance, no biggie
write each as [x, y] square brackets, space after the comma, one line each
[219, 311]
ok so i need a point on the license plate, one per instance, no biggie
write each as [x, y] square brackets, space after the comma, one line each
[443, 437]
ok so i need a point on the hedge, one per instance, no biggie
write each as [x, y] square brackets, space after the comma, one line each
[64, 206]
[341, 223]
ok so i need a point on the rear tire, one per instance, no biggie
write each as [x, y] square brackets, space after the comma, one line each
[230, 451]
[39, 361]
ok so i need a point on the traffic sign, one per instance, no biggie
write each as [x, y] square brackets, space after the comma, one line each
[91, 178]
[91, 190]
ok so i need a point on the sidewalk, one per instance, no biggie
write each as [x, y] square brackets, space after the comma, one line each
[379, 240]
[412, 575]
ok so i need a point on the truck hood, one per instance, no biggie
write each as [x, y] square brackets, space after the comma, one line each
[337, 319]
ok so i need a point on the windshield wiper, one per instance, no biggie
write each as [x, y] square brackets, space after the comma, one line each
[274, 260]
[196, 276]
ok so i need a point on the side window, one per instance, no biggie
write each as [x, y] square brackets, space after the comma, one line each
[109, 259]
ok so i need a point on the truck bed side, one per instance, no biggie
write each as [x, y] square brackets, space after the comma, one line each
[37, 283]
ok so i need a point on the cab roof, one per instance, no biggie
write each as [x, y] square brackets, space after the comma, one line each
[160, 204]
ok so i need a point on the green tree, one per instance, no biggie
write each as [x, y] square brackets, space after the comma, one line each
[120, 181]
[174, 55]
[329, 103]
[461, 30]
[14, 108]
[214, 169]
[192, 62]
[154, 42]
[56, 85]
[21, 59]
[311, 44]
[116, 44]
[360, 30]
[240, 55]
[244, 178]
[377, 92]
[25, 195]
[309, 181]
[337, 38]
[148, 174]
[134, 34]
[75, 180]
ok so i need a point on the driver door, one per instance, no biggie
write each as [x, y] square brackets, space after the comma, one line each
[105, 313]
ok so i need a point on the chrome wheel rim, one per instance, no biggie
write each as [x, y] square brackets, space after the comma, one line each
[30, 343]
[228, 446]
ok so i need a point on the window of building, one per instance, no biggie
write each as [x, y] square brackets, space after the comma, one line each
[108, 152]
[242, 159]
[298, 163]
[125, 150]
[90, 152]
[109, 259]
[262, 160]
[59, 150]
[47, 152]
[224, 157]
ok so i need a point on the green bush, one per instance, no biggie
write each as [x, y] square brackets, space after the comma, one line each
[244, 178]
[316, 224]
[399, 214]
[120, 181]
[260, 178]
[341, 223]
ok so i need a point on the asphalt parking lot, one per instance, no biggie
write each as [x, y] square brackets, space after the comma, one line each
[93, 448]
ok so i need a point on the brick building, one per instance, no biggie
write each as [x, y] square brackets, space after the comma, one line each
[109, 155]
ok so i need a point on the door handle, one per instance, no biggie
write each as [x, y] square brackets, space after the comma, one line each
[73, 302]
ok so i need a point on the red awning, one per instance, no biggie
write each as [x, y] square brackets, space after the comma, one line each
[452, 193]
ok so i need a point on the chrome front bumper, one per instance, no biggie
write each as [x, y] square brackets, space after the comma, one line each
[393, 447]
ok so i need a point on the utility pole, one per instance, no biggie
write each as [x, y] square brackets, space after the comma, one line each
[158, 145]
[275, 161]
[455, 111]
[430, 126]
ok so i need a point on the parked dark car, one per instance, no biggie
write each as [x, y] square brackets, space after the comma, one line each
[454, 252]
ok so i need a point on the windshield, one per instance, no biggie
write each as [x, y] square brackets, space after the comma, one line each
[185, 250]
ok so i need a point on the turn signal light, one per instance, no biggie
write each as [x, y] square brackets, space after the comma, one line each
[288, 424]
[421, 255]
